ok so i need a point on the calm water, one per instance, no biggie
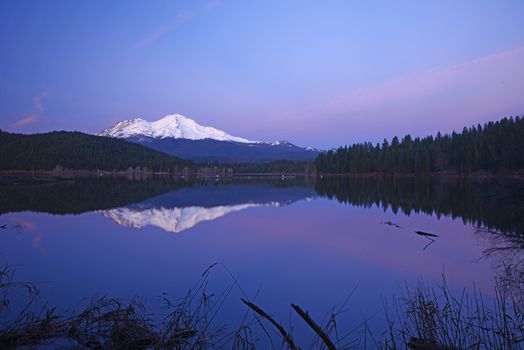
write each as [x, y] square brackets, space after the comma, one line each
[310, 242]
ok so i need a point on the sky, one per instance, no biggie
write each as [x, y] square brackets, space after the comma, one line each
[316, 73]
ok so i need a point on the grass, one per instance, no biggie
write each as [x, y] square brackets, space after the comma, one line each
[420, 317]
[434, 318]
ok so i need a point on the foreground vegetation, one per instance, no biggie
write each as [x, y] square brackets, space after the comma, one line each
[421, 318]
[495, 147]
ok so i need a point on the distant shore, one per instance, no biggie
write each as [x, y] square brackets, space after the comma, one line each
[28, 177]
[475, 175]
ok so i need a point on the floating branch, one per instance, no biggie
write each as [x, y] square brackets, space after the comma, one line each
[285, 335]
[314, 326]
[422, 233]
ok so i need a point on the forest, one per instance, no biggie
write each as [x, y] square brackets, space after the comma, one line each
[75, 150]
[494, 147]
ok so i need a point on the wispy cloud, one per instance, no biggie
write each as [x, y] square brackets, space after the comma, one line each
[180, 18]
[497, 76]
[33, 117]
[29, 119]
[442, 99]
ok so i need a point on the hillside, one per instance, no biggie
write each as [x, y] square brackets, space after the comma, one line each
[209, 150]
[75, 150]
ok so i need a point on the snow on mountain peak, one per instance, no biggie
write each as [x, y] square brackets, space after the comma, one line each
[174, 125]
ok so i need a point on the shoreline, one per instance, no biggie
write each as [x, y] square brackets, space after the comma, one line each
[29, 177]
[442, 175]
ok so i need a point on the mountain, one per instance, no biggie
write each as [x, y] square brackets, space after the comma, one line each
[183, 137]
[171, 126]
[75, 150]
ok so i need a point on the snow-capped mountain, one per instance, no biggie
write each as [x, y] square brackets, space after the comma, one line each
[185, 138]
[174, 125]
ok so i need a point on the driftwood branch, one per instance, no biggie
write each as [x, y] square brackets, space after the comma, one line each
[426, 234]
[315, 327]
[285, 335]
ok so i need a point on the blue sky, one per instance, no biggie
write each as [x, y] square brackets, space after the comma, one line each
[320, 73]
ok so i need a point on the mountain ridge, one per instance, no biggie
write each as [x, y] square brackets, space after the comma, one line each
[183, 137]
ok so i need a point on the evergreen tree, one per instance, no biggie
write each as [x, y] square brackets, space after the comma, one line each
[494, 147]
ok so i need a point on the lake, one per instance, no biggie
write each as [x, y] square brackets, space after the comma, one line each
[312, 242]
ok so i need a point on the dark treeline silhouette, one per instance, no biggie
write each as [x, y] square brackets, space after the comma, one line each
[75, 150]
[494, 147]
[492, 204]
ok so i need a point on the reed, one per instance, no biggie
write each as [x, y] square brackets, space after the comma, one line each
[422, 317]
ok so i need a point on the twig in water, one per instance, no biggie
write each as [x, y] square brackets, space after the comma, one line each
[431, 241]
[314, 326]
[285, 335]
[426, 234]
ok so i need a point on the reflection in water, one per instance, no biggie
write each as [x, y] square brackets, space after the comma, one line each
[170, 219]
[164, 203]
[506, 253]
[495, 205]
[82, 195]
[183, 209]
[295, 252]
[494, 208]
[176, 206]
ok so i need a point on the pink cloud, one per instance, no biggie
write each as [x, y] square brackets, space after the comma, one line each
[482, 89]
[33, 117]
[499, 73]
[29, 119]
[24, 224]
[37, 241]
[37, 100]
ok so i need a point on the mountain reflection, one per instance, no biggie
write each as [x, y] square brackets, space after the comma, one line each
[176, 206]
[170, 219]
[180, 210]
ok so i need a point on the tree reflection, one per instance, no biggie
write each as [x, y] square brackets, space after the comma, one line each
[491, 204]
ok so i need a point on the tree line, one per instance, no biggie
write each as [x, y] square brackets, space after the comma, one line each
[75, 150]
[493, 147]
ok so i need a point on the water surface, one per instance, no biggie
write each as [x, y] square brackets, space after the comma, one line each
[312, 242]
